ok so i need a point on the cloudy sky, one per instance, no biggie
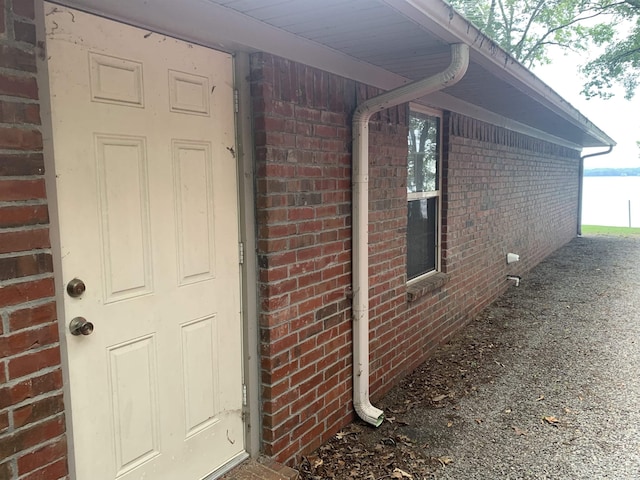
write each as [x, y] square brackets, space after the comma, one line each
[619, 118]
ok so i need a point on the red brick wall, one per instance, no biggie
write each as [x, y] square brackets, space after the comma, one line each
[32, 438]
[503, 192]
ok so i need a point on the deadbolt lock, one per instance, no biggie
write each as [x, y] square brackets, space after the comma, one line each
[76, 287]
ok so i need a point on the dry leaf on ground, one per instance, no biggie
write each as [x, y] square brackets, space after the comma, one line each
[551, 420]
[398, 473]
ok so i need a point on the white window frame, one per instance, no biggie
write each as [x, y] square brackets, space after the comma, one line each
[421, 109]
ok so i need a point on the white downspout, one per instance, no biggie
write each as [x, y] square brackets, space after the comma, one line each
[360, 213]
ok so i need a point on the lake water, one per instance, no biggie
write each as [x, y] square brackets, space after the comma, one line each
[605, 201]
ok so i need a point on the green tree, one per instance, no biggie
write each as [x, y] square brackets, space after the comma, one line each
[528, 28]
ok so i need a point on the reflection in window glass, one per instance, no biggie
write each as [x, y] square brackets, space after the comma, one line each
[423, 153]
[423, 194]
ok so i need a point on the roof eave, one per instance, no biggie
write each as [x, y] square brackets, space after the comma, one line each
[451, 27]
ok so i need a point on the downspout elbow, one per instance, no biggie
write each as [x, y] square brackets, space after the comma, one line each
[450, 76]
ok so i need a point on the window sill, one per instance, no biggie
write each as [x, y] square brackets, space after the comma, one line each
[426, 285]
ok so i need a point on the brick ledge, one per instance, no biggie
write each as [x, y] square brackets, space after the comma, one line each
[426, 285]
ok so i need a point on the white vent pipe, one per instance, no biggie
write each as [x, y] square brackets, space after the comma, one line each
[360, 216]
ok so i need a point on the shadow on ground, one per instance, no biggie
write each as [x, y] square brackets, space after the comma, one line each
[543, 384]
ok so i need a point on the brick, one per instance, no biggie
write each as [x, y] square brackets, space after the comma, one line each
[17, 59]
[55, 471]
[25, 265]
[17, 86]
[21, 164]
[32, 362]
[26, 340]
[31, 436]
[4, 422]
[30, 388]
[34, 412]
[23, 240]
[43, 456]
[19, 139]
[24, 8]
[19, 113]
[16, 190]
[3, 29]
[6, 472]
[18, 216]
[25, 292]
[30, 317]
[24, 32]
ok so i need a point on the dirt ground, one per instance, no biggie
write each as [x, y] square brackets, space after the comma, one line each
[544, 384]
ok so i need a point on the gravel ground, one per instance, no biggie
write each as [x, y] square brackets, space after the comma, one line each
[544, 384]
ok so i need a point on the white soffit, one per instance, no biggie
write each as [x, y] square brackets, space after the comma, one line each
[384, 43]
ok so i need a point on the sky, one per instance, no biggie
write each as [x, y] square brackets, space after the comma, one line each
[617, 117]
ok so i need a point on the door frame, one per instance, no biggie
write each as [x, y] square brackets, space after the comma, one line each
[247, 236]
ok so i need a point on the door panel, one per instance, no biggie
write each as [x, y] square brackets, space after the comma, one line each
[143, 137]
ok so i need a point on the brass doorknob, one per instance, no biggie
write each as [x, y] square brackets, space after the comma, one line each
[80, 326]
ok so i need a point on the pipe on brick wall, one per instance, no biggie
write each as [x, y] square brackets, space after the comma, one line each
[360, 213]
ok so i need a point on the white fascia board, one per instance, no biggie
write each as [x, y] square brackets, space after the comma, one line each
[442, 20]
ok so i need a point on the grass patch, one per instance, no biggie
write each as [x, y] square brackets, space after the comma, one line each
[601, 229]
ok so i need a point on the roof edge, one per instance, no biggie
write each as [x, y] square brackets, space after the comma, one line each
[444, 21]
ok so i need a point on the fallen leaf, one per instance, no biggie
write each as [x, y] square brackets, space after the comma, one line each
[449, 424]
[518, 431]
[445, 460]
[438, 398]
[315, 461]
[479, 421]
[551, 420]
[398, 473]
[567, 410]
[540, 398]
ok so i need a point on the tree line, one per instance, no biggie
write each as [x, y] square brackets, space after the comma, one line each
[528, 29]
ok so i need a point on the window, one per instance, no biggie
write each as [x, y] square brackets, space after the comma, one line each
[423, 194]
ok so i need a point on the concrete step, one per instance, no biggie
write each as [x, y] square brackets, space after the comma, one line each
[261, 469]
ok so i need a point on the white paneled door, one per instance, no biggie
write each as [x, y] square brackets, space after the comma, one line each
[143, 144]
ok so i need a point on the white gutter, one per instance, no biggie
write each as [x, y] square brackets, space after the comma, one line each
[451, 75]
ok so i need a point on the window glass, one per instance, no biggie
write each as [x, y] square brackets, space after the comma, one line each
[423, 153]
[421, 236]
[423, 194]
